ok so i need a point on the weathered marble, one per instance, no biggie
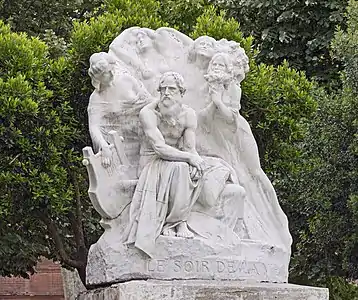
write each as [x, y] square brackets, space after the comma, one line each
[174, 170]
[204, 290]
[187, 259]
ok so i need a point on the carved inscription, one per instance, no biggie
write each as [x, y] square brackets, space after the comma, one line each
[187, 266]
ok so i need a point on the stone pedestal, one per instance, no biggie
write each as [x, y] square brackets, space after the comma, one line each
[186, 259]
[204, 290]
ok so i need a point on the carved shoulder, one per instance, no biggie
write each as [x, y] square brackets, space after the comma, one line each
[191, 118]
[93, 98]
[147, 117]
[94, 103]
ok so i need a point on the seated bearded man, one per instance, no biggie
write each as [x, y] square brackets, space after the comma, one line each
[173, 175]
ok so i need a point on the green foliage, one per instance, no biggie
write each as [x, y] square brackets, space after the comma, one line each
[36, 16]
[327, 195]
[144, 8]
[345, 47]
[276, 101]
[215, 24]
[328, 245]
[57, 45]
[33, 141]
[340, 289]
[182, 15]
[177, 14]
[297, 31]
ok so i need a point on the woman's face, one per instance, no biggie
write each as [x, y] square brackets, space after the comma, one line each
[143, 41]
[106, 77]
[242, 61]
[204, 46]
[103, 72]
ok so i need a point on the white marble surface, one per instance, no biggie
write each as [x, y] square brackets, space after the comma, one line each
[204, 290]
[175, 170]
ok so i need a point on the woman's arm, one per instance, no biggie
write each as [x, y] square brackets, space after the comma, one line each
[94, 121]
[217, 98]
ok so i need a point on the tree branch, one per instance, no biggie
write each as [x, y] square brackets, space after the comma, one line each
[76, 221]
[52, 228]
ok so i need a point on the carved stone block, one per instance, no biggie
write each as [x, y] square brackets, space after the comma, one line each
[204, 290]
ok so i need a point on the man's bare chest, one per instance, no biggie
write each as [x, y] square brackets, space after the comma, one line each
[172, 128]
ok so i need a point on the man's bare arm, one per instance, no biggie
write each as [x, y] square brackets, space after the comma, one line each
[148, 120]
[189, 144]
[226, 112]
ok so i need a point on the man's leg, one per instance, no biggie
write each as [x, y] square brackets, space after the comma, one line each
[183, 194]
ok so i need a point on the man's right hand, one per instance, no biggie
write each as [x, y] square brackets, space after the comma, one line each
[197, 162]
[194, 173]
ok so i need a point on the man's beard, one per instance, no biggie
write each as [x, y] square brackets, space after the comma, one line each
[168, 107]
[218, 77]
[168, 101]
[169, 113]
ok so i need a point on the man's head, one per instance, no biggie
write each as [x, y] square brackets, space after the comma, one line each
[220, 65]
[171, 88]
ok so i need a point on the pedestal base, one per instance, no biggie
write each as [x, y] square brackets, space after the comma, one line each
[204, 290]
[187, 259]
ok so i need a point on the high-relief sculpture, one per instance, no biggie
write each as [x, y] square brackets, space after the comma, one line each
[175, 172]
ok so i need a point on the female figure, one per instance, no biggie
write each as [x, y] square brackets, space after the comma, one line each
[202, 51]
[114, 105]
[138, 48]
[225, 133]
[198, 60]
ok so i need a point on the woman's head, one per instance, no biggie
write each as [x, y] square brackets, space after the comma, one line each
[241, 60]
[101, 69]
[144, 39]
[203, 46]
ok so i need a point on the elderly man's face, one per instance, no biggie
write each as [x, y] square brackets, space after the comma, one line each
[169, 91]
[218, 65]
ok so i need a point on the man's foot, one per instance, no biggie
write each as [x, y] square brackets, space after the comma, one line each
[169, 232]
[183, 231]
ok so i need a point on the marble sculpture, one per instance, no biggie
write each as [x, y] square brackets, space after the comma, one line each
[174, 170]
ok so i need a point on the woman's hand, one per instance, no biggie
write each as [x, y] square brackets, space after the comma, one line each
[106, 156]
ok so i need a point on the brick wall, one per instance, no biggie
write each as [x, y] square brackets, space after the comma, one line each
[45, 284]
